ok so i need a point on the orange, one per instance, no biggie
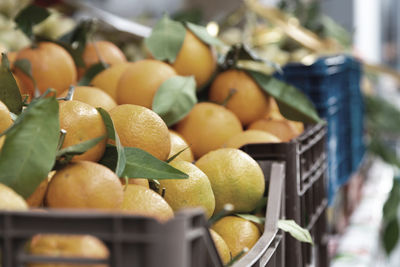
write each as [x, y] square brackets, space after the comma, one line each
[54, 245]
[52, 67]
[236, 178]
[108, 52]
[280, 128]
[177, 144]
[195, 58]
[107, 80]
[141, 127]
[248, 102]
[5, 117]
[85, 184]
[10, 200]
[273, 113]
[141, 80]
[36, 199]
[251, 137]
[194, 191]
[143, 201]
[82, 123]
[222, 247]
[237, 232]
[207, 127]
[92, 96]
[298, 125]
[137, 181]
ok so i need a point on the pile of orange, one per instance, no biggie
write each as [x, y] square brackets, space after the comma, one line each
[208, 139]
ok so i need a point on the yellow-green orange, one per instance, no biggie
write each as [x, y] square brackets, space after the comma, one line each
[141, 80]
[143, 201]
[235, 177]
[251, 137]
[238, 233]
[85, 184]
[5, 117]
[141, 127]
[177, 145]
[207, 127]
[10, 200]
[222, 247]
[194, 191]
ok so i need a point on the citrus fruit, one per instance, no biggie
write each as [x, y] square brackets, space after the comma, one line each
[54, 245]
[222, 247]
[177, 145]
[137, 181]
[52, 67]
[195, 58]
[108, 52]
[36, 198]
[248, 101]
[235, 178]
[5, 117]
[10, 200]
[207, 127]
[237, 232]
[280, 128]
[141, 80]
[107, 80]
[251, 137]
[298, 126]
[82, 123]
[143, 201]
[194, 191]
[85, 184]
[141, 127]
[273, 113]
[92, 96]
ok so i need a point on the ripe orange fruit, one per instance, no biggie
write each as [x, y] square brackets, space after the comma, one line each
[36, 199]
[10, 200]
[85, 184]
[137, 181]
[235, 177]
[251, 137]
[194, 191]
[92, 96]
[108, 52]
[249, 102]
[141, 127]
[143, 201]
[52, 67]
[82, 246]
[222, 247]
[207, 127]
[5, 117]
[141, 80]
[82, 123]
[195, 58]
[237, 232]
[273, 113]
[280, 128]
[107, 80]
[177, 144]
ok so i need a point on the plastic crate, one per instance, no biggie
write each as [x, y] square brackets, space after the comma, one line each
[333, 85]
[184, 241]
[306, 196]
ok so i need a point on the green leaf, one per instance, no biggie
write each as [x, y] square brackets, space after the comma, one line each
[119, 149]
[385, 152]
[175, 98]
[295, 230]
[166, 39]
[392, 204]
[176, 155]
[79, 149]
[91, 72]
[382, 116]
[202, 33]
[9, 91]
[29, 17]
[30, 147]
[390, 235]
[251, 218]
[293, 104]
[141, 164]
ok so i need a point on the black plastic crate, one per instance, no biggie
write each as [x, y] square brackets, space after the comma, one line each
[184, 241]
[306, 195]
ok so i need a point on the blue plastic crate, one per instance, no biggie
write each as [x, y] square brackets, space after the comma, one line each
[333, 85]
